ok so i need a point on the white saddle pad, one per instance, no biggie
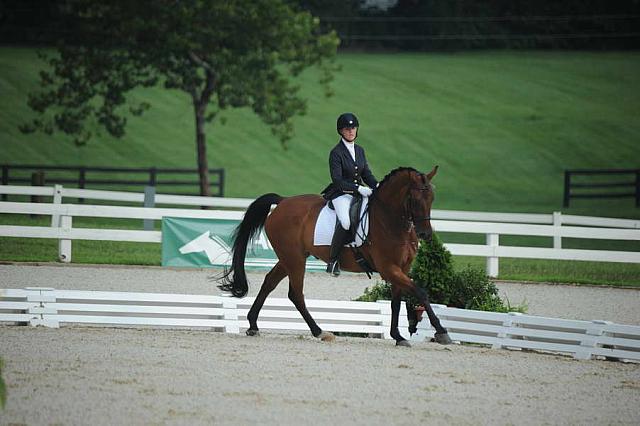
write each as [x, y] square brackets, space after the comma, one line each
[326, 224]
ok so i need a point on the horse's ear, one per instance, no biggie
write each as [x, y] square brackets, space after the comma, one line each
[432, 173]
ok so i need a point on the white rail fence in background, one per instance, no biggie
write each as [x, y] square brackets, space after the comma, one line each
[492, 225]
[55, 308]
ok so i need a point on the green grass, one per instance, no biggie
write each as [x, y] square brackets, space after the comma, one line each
[502, 126]
[556, 271]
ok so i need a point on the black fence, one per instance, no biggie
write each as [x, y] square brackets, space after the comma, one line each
[607, 183]
[109, 177]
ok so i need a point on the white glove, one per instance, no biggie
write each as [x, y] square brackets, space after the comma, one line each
[364, 191]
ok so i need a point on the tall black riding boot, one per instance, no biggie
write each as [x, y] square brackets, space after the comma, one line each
[337, 242]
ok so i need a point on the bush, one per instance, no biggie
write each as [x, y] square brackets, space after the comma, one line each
[432, 270]
[380, 291]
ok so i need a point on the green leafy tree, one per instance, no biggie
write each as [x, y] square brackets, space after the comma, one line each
[223, 54]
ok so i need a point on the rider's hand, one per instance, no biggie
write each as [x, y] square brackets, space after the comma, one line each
[364, 191]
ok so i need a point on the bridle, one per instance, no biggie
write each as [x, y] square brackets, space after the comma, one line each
[410, 204]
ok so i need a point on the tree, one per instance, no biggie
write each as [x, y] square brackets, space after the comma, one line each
[224, 54]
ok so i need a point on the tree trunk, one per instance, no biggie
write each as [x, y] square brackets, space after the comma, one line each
[200, 102]
[201, 148]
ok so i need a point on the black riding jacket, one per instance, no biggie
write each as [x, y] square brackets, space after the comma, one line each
[346, 174]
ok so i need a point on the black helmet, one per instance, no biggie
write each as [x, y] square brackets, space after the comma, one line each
[347, 120]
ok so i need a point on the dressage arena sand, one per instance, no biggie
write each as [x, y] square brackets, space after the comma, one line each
[97, 375]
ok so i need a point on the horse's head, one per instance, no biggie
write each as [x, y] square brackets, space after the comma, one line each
[405, 196]
[419, 199]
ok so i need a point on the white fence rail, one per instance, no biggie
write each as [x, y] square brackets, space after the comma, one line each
[55, 308]
[492, 225]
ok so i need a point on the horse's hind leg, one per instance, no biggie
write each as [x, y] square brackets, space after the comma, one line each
[296, 282]
[271, 281]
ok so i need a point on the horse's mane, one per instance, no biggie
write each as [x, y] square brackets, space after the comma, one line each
[394, 172]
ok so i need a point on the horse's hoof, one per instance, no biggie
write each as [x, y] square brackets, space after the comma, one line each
[253, 333]
[327, 336]
[404, 343]
[443, 338]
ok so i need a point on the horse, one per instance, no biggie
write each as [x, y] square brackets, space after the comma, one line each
[399, 214]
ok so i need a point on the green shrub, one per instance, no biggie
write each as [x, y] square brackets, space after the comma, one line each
[380, 291]
[472, 289]
[432, 270]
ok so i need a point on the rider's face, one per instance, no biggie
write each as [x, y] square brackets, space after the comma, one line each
[349, 133]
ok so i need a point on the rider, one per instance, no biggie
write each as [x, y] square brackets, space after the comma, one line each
[349, 172]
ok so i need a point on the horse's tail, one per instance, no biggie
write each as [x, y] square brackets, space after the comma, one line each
[234, 279]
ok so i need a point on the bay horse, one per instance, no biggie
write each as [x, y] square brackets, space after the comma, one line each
[399, 214]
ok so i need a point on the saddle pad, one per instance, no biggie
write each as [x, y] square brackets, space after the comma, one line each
[326, 225]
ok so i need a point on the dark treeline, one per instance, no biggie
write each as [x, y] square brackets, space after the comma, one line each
[411, 24]
[472, 24]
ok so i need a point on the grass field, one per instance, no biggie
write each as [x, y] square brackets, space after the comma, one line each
[502, 126]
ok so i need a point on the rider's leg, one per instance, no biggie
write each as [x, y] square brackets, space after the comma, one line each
[341, 207]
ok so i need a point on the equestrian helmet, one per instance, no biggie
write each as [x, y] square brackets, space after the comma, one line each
[347, 120]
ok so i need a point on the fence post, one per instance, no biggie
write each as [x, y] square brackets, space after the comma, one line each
[567, 188]
[37, 179]
[557, 223]
[504, 334]
[590, 339]
[82, 180]
[221, 183]
[149, 201]
[493, 241]
[45, 315]
[64, 244]
[230, 306]
[57, 199]
[5, 179]
[385, 311]
[152, 176]
[638, 188]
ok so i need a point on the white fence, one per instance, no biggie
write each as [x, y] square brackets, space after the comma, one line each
[492, 225]
[53, 308]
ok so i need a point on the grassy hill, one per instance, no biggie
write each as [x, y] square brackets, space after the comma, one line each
[502, 126]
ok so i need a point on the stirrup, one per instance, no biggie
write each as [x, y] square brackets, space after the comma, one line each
[333, 268]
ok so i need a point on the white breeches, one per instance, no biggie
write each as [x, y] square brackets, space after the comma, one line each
[341, 206]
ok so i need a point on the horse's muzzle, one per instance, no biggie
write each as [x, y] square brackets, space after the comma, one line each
[426, 235]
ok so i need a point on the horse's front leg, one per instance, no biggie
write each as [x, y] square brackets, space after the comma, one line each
[395, 314]
[403, 283]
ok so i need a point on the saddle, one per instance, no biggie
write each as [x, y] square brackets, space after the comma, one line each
[355, 218]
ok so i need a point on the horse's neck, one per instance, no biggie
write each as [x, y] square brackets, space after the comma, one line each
[389, 208]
